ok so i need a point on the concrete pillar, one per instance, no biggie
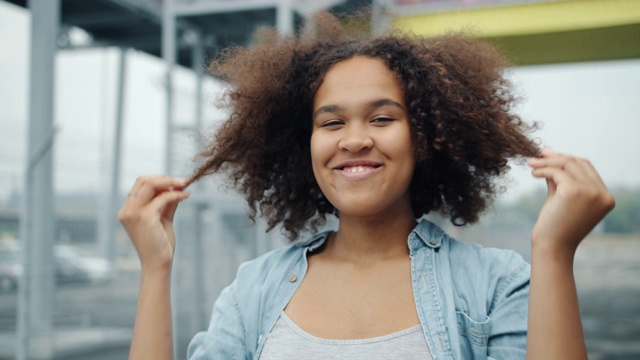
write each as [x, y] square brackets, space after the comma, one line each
[107, 223]
[169, 57]
[284, 17]
[198, 318]
[37, 226]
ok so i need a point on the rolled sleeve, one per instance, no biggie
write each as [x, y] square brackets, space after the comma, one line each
[225, 338]
[508, 334]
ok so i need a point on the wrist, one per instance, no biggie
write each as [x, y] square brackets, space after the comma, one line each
[156, 270]
[551, 253]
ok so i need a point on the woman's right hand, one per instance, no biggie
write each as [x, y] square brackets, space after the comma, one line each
[147, 215]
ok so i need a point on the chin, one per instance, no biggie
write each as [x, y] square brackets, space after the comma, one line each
[364, 210]
[371, 204]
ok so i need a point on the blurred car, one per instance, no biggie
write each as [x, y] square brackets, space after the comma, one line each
[71, 266]
[10, 268]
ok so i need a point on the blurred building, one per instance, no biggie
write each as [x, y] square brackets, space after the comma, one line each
[216, 233]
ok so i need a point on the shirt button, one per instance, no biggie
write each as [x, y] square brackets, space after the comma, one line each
[293, 278]
[433, 243]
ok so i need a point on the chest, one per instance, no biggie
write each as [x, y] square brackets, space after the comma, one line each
[342, 302]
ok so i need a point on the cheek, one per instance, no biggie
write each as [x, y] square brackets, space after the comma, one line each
[313, 148]
[323, 148]
[317, 154]
[398, 143]
[403, 151]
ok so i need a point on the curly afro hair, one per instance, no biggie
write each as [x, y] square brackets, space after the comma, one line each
[459, 104]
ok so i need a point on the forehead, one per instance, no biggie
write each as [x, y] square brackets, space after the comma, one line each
[358, 80]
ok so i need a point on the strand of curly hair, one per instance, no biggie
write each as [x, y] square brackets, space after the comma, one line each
[459, 102]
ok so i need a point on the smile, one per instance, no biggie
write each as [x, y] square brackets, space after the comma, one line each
[357, 170]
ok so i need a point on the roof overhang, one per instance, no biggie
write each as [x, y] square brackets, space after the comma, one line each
[544, 31]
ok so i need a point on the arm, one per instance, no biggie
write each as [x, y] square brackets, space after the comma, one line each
[152, 331]
[577, 200]
[147, 215]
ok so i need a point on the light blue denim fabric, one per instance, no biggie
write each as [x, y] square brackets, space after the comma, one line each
[471, 301]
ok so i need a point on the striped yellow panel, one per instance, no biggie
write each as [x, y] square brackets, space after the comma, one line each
[526, 19]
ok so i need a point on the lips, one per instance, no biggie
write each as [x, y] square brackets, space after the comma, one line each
[354, 165]
[358, 169]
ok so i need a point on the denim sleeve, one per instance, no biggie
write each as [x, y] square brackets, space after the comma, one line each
[225, 338]
[508, 334]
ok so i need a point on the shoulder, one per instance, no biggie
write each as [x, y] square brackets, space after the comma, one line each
[246, 308]
[490, 289]
[482, 259]
[493, 275]
[476, 274]
[271, 267]
[465, 256]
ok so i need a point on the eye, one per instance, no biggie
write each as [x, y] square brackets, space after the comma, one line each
[382, 120]
[332, 123]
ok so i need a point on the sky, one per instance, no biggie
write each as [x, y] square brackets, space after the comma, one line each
[588, 109]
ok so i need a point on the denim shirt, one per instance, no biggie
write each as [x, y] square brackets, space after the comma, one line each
[471, 301]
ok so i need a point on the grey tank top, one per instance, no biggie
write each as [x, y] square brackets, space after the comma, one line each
[287, 341]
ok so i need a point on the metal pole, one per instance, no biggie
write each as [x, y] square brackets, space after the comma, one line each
[37, 226]
[107, 240]
[198, 68]
[380, 17]
[169, 57]
[198, 253]
[284, 17]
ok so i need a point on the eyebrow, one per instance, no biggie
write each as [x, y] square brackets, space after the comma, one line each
[370, 105]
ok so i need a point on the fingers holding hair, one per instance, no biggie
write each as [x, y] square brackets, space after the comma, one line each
[577, 198]
[550, 163]
[144, 192]
[166, 203]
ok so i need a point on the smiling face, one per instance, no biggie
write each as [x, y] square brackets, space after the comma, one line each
[361, 141]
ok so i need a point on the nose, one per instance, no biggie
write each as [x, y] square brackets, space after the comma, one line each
[355, 139]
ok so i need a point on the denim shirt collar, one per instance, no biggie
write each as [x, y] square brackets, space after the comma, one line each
[313, 243]
[424, 234]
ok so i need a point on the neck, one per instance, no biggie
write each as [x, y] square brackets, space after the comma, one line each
[368, 241]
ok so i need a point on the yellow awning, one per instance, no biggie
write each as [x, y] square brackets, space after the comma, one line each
[526, 19]
[546, 31]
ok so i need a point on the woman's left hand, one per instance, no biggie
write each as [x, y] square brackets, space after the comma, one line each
[577, 200]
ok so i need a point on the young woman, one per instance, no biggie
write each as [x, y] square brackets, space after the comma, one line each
[379, 132]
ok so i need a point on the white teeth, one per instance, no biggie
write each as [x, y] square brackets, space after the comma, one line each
[356, 169]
